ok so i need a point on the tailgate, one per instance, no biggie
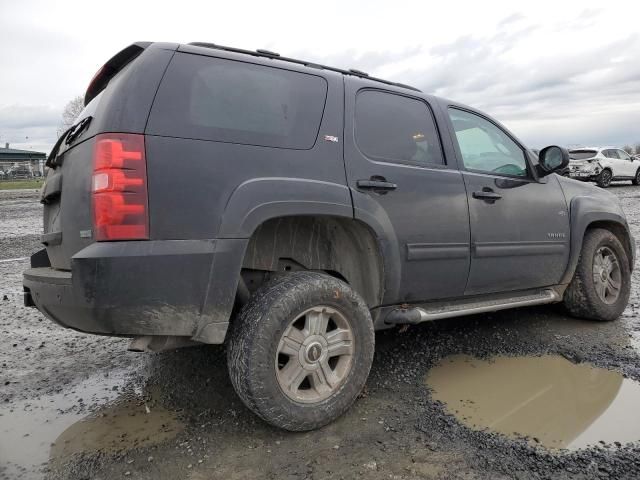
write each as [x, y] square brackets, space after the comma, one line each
[67, 209]
[118, 99]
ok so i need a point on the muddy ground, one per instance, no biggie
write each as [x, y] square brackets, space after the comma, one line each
[78, 406]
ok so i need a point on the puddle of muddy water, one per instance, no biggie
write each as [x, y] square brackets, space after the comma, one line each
[34, 433]
[121, 426]
[559, 403]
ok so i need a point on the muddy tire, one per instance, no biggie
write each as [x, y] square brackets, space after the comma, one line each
[601, 283]
[636, 179]
[604, 179]
[301, 350]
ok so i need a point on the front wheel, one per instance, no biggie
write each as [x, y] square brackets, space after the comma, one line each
[604, 179]
[301, 350]
[601, 283]
[636, 179]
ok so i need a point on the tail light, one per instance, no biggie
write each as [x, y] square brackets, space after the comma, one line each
[119, 188]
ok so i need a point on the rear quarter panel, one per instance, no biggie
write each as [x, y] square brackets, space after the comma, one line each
[194, 184]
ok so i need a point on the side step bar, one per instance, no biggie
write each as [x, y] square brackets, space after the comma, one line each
[414, 315]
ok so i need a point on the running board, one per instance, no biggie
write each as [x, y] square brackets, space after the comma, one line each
[414, 315]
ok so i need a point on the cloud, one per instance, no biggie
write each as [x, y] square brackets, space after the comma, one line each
[366, 61]
[29, 126]
[22, 116]
[546, 68]
[513, 18]
[596, 91]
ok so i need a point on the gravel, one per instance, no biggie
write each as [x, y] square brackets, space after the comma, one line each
[395, 429]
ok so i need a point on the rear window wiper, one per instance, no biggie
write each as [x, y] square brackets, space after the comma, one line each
[67, 137]
[54, 151]
[77, 130]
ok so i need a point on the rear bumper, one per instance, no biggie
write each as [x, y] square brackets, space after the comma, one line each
[174, 287]
[584, 176]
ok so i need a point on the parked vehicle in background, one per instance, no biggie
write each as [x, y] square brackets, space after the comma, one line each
[21, 172]
[603, 165]
[311, 206]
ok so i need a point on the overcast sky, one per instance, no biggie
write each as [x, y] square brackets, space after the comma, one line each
[553, 72]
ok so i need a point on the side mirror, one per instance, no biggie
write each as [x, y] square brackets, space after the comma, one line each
[551, 159]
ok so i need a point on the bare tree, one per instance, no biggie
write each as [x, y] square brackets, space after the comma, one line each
[70, 113]
[638, 148]
[628, 149]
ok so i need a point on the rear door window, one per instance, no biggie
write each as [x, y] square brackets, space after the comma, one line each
[396, 128]
[222, 100]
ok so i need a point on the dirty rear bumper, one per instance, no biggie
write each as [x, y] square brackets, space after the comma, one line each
[173, 287]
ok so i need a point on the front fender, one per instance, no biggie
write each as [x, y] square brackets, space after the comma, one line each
[586, 210]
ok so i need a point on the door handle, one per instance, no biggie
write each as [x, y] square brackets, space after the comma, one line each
[486, 194]
[374, 184]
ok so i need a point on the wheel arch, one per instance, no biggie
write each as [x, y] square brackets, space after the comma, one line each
[596, 212]
[266, 199]
[257, 200]
[621, 231]
[341, 246]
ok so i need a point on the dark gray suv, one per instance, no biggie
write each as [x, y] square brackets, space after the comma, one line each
[288, 209]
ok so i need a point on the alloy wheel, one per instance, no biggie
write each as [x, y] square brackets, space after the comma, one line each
[314, 355]
[607, 277]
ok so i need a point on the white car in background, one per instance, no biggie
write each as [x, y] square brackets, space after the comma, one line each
[603, 165]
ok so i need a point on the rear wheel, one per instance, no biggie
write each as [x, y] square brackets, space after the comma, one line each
[604, 179]
[601, 283]
[301, 350]
[636, 179]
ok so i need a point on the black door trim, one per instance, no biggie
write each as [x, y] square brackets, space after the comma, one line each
[436, 251]
[508, 249]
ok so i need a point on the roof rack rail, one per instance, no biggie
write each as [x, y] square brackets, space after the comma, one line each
[268, 53]
[360, 73]
[276, 56]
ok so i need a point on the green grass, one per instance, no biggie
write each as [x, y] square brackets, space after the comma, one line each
[20, 184]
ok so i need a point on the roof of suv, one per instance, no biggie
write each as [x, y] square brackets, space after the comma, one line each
[277, 56]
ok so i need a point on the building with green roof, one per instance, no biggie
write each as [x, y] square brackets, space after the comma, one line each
[20, 163]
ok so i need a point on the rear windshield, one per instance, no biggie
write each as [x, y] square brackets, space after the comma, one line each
[228, 101]
[581, 154]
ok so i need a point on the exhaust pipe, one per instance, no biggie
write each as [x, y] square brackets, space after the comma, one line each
[160, 343]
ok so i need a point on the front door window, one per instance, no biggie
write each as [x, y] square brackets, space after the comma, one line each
[485, 147]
